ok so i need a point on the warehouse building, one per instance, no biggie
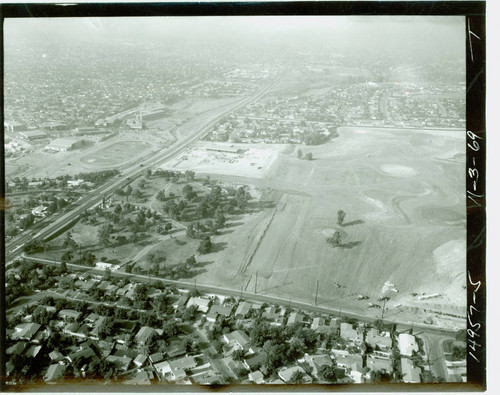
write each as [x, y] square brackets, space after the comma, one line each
[65, 144]
[33, 135]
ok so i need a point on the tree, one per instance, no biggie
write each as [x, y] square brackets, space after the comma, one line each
[189, 175]
[299, 154]
[340, 217]
[220, 220]
[327, 373]
[461, 335]
[297, 377]
[104, 234]
[188, 192]
[69, 242]
[205, 245]
[335, 239]
[168, 226]
[309, 156]
[238, 355]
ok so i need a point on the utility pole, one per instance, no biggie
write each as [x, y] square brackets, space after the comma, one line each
[195, 283]
[241, 292]
[383, 310]
[256, 274]
[316, 298]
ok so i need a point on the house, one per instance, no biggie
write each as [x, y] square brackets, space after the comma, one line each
[255, 361]
[212, 317]
[317, 322]
[83, 352]
[237, 339]
[163, 368]
[242, 310]
[143, 335]
[224, 311]
[335, 324]
[287, 373]
[175, 349]
[348, 332]
[156, 357]
[201, 303]
[69, 315]
[56, 356]
[54, 373]
[33, 351]
[353, 362]
[185, 363]
[316, 361]
[39, 211]
[410, 373]
[276, 382]
[375, 338]
[122, 362]
[16, 349]
[75, 183]
[407, 344]
[257, 377]
[208, 377]
[106, 266]
[178, 374]
[180, 302]
[94, 333]
[26, 331]
[381, 364]
[295, 317]
[92, 318]
[75, 329]
[140, 378]
[140, 360]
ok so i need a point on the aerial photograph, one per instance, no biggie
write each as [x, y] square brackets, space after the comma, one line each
[235, 200]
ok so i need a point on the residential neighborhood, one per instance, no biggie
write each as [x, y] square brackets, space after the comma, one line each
[188, 337]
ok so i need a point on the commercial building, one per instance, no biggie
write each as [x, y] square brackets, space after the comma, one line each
[31, 135]
[65, 144]
[15, 127]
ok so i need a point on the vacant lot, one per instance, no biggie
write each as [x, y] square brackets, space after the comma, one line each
[253, 160]
[403, 192]
[115, 154]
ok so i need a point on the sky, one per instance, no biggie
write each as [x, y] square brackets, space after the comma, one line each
[421, 35]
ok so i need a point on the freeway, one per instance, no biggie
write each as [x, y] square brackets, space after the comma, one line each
[14, 248]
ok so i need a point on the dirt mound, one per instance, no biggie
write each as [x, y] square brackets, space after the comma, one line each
[398, 170]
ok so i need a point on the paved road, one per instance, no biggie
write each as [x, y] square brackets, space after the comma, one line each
[250, 296]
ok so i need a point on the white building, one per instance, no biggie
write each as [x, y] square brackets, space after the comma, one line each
[407, 344]
[106, 265]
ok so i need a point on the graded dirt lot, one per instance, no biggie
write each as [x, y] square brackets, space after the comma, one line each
[115, 154]
[253, 160]
[403, 192]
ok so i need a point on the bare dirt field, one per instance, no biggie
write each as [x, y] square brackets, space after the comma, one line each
[403, 192]
[115, 154]
[254, 160]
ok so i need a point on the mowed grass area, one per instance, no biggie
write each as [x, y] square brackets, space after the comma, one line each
[115, 154]
[403, 192]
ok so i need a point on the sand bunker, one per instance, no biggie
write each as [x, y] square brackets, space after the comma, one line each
[398, 170]
[442, 215]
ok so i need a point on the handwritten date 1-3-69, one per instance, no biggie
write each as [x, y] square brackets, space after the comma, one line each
[473, 172]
